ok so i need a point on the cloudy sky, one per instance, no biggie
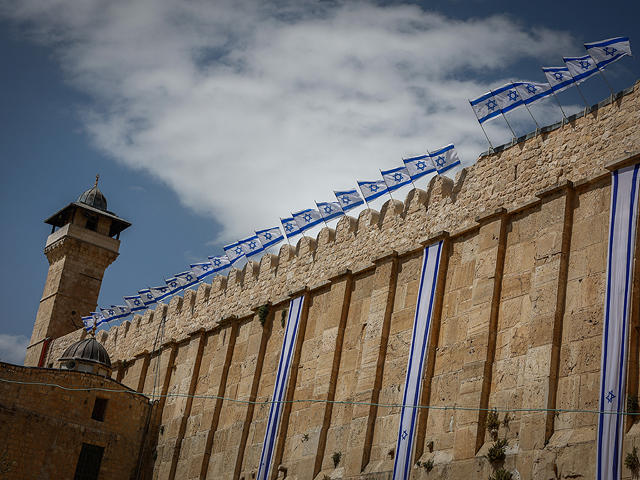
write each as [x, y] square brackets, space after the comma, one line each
[208, 120]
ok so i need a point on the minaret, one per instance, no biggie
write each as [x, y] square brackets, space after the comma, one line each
[80, 248]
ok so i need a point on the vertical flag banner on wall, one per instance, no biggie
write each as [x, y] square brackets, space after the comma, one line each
[622, 239]
[282, 378]
[417, 358]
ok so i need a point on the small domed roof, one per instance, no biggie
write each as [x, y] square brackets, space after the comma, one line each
[88, 350]
[94, 197]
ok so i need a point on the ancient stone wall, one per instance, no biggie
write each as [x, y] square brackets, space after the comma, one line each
[517, 327]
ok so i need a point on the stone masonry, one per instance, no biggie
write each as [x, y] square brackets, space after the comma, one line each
[517, 327]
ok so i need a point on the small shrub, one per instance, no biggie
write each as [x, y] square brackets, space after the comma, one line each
[336, 457]
[263, 312]
[305, 437]
[326, 477]
[501, 474]
[632, 404]
[631, 461]
[283, 317]
[154, 454]
[496, 453]
[506, 420]
[492, 422]
[428, 465]
[161, 429]
[124, 364]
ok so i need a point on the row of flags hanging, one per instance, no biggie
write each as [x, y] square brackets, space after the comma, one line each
[514, 95]
[414, 168]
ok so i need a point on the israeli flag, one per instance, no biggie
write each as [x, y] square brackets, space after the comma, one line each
[396, 178]
[121, 311]
[88, 322]
[187, 279]
[348, 199]
[251, 246]
[290, 226]
[419, 166]
[219, 262]
[372, 190]
[98, 318]
[329, 210]
[417, 356]
[608, 51]
[160, 293]
[485, 107]
[307, 219]
[446, 158]
[174, 285]
[617, 307]
[581, 68]
[532, 92]
[559, 78]
[234, 252]
[280, 388]
[147, 297]
[134, 302]
[508, 98]
[270, 237]
[202, 270]
[109, 314]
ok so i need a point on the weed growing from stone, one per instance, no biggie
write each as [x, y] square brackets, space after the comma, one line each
[336, 457]
[496, 453]
[632, 462]
[263, 311]
[502, 474]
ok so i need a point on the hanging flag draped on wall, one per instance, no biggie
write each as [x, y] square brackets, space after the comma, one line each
[329, 210]
[622, 237]
[372, 190]
[134, 302]
[290, 226]
[396, 178]
[307, 219]
[417, 357]
[282, 379]
[270, 236]
[251, 246]
[485, 107]
[419, 166]
[219, 262]
[348, 199]
[559, 78]
[187, 279]
[446, 158]
[234, 252]
[608, 51]
[581, 68]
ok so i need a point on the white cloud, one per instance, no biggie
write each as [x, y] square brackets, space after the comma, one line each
[13, 348]
[251, 110]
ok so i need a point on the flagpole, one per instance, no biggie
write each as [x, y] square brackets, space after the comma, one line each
[554, 95]
[578, 87]
[410, 177]
[601, 72]
[434, 163]
[485, 133]
[285, 232]
[527, 107]
[365, 198]
[505, 119]
[385, 182]
[325, 222]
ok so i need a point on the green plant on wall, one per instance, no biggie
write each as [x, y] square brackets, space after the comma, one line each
[283, 317]
[632, 404]
[497, 451]
[501, 474]
[632, 462]
[263, 312]
[336, 457]
[492, 422]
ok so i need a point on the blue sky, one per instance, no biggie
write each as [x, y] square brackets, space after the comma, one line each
[208, 121]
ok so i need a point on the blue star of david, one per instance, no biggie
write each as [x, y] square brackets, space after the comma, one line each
[205, 267]
[111, 312]
[136, 302]
[268, 236]
[345, 200]
[440, 161]
[307, 217]
[149, 297]
[421, 165]
[238, 250]
[327, 209]
[585, 64]
[531, 89]
[610, 51]
[163, 289]
[398, 177]
[252, 245]
[491, 105]
[189, 278]
[373, 188]
[288, 228]
[610, 396]
[173, 284]
[217, 262]
[404, 434]
[559, 76]
[513, 96]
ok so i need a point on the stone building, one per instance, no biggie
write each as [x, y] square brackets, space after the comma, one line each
[517, 327]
